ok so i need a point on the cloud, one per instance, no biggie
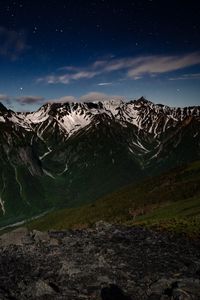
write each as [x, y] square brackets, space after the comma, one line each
[5, 98]
[12, 43]
[38, 100]
[30, 100]
[95, 96]
[89, 97]
[132, 67]
[63, 99]
[192, 76]
[163, 64]
[104, 83]
[66, 78]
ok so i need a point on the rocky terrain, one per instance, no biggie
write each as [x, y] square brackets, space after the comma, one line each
[106, 262]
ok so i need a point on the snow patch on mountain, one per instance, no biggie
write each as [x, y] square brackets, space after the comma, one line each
[74, 121]
[2, 119]
[39, 116]
[2, 206]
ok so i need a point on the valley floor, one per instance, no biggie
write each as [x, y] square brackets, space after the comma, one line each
[106, 262]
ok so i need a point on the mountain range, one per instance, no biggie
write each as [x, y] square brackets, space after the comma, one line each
[67, 154]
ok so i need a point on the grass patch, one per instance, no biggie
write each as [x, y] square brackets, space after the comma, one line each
[170, 201]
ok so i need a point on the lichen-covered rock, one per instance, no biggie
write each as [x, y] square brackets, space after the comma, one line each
[104, 263]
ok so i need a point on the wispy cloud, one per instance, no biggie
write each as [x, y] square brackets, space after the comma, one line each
[38, 100]
[12, 43]
[30, 100]
[192, 76]
[132, 68]
[163, 64]
[63, 99]
[66, 78]
[5, 98]
[104, 83]
[89, 97]
[95, 96]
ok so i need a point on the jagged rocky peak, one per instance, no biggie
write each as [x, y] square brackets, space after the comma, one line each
[87, 105]
[10, 117]
[141, 101]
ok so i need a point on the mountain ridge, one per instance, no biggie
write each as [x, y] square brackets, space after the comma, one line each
[70, 153]
[131, 111]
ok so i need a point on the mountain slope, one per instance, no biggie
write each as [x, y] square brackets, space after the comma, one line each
[163, 200]
[67, 154]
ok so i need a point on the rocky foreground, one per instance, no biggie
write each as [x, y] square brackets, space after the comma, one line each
[104, 263]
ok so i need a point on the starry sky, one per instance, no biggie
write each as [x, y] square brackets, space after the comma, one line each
[79, 50]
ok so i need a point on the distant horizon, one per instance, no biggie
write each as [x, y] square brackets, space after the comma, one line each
[79, 100]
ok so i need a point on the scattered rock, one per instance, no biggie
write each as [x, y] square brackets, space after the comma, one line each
[184, 288]
[104, 263]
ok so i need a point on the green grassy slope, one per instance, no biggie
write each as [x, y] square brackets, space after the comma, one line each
[169, 201]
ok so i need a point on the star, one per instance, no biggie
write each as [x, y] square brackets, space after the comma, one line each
[21, 88]
[59, 30]
[35, 29]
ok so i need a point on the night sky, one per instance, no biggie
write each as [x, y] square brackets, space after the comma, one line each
[82, 50]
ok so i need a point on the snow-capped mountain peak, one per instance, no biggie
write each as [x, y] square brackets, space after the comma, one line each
[72, 116]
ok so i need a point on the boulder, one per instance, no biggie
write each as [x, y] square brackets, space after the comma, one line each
[42, 289]
[40, 237]
[102, 226]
